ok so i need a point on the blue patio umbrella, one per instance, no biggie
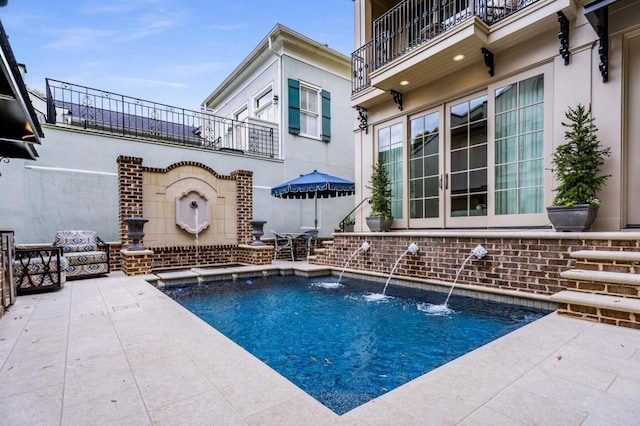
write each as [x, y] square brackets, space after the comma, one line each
[314, 185]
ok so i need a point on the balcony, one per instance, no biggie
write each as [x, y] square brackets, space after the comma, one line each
[413, 26]
[97, 110]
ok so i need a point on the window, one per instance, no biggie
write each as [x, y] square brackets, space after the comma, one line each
[519, 112]
[309, 111]
[263, 105]
[424, 167]
[239, 137]
[390, 141]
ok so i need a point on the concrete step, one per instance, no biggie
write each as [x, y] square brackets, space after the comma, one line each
[602, 277]
[600, 301]
[595, 255]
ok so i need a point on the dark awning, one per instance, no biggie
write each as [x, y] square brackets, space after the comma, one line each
[19, 126]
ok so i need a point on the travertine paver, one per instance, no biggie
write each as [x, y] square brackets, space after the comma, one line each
[117, 351]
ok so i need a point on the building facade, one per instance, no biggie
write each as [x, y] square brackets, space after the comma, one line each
[74, 183]
[464, 103]
[302, 88]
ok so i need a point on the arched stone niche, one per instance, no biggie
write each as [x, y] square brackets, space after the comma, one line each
[193, 211]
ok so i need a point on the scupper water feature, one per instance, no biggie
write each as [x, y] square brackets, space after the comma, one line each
[194, 205]
[413, 249]
[363, 248]
[479, 252]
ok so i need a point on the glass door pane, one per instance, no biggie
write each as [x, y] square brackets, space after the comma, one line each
[425, 171]
[467, 159]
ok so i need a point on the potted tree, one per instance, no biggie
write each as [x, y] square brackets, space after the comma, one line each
[576, 166]
[380, 186]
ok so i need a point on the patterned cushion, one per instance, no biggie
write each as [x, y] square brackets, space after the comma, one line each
[76, 240]
[90, 269]
[35, 265]
[86, 257]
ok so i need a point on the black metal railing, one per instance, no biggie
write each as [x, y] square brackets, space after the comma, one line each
[412, 23]
[347, 220]
[100, 110]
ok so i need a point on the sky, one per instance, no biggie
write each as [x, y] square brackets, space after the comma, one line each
[171, 52]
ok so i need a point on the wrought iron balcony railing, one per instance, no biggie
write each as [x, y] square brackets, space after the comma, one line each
[412, 23]
[104, 111]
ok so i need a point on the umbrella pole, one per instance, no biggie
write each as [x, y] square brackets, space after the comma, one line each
[315, 219]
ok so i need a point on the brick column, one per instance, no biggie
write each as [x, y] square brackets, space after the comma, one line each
[244, 196]
[129, 192]
[137, 262]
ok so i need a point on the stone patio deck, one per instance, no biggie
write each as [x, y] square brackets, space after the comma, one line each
[115, 350]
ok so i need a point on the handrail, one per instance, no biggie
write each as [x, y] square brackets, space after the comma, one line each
[98, 110]
[343, 222]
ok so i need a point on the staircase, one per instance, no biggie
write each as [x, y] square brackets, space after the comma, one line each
[604, 286]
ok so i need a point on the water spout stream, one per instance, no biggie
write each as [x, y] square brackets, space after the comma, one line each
[413, 249]
[364, 247]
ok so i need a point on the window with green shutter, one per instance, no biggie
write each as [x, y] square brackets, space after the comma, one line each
[309, 111]
[294, 106]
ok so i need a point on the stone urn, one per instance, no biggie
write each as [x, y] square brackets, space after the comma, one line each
[257, 231]
[135, 226]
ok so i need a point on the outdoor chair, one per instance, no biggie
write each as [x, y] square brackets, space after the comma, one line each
[283, 243]
[39, 268]
[311, 239]
[87, 254]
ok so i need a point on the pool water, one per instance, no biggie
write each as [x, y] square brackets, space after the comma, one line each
[338, 343]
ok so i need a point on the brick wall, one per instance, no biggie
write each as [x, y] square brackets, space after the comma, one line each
[607, 316]
[529, 264]
[130, 201]
[244, 181]
[129, 193]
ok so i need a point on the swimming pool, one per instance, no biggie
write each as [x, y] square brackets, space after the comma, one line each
[337, 343]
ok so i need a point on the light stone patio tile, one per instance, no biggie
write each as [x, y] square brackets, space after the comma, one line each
[89, 379]
[591, 358]
[636, 356]
[204, 409]
[377, 412]
[252, 387]
[564, 366]
[581, 397]
[133, 324]
[487, 417]
[37, 343]
[51, 324]
[592, 420]
[88, 346]
[164, 381]
[19, 375]
[90, 324]
[303, 410]
[451, 392]
[159, 344]
[626, 388]
[619, 342]
[37, 407]
[123, 407]
[530, 408]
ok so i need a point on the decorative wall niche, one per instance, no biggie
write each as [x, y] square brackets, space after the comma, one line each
[193, 211]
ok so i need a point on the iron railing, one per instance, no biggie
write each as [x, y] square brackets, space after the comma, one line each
[412, 23]
[100, 110]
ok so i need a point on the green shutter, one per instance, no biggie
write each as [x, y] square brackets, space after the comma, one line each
[326, 116]
[294, 107]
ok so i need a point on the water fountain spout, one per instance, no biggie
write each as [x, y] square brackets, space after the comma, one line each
[479, 252]
[194, 205]
[413, 249]
[365, 247]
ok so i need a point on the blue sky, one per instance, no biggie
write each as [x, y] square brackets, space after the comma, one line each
[172, 52]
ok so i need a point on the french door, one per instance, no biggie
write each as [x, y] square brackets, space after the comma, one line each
[448, 160]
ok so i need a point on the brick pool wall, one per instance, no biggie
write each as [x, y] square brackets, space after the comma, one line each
[529, 264]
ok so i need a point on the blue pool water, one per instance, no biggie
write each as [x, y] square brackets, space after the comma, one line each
[339, 345]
